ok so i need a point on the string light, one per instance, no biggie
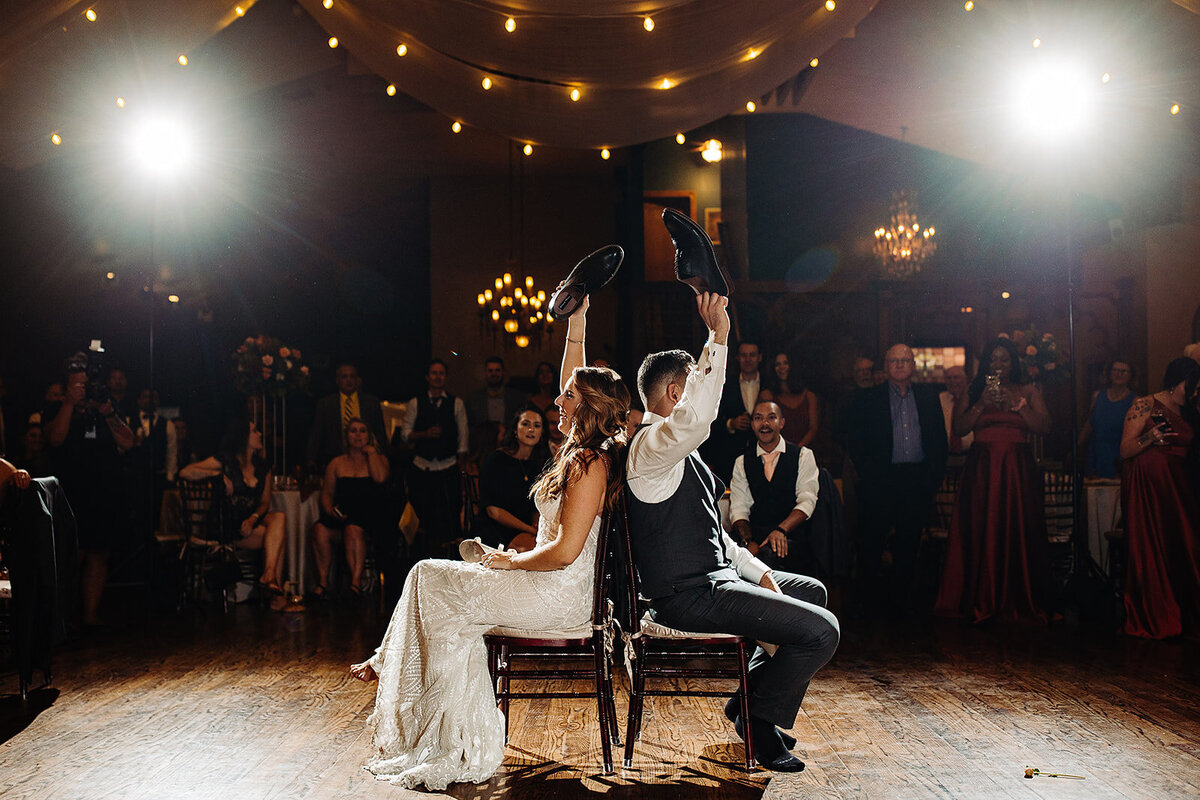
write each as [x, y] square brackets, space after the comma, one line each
[510, 24]
[969, 5]
[172, 298]
[487, 83]
[120, 102]
[456, 127]
[527, 150]
[648, 24]
[1005, 295]
[327, 3]
[666, 84]
[605, 154]
[91, 15]
[401, 50]
[55, 138]
[1037, 43]
[575, 95]
[753, 54]
[110, 275]
[183, 62]
[1174, 109]
[1105, 78]
[333, 42]
[391, 90]
[712, 151]
[680, 138]
[814, 62]
[750, 106]
[241, 12]
[830, 5]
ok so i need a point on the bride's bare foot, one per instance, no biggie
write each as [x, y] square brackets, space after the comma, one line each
[364, 672]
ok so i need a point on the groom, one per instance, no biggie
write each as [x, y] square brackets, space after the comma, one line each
[696, 578]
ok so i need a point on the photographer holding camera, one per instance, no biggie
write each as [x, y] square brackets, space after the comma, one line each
[87, 437]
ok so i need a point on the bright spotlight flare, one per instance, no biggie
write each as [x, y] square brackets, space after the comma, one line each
[162, 146]
[1054, 100]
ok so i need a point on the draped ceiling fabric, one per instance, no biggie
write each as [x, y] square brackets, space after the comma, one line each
[701, 46]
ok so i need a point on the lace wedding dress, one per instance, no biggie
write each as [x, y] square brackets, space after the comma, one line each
[435, 720]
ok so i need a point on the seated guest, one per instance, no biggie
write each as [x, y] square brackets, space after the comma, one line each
[248, 516]
[730, 433]
[34, 458]
[799, 406]
[773, 494]
[547, 382]
[353, 503]
[555, 438]
[1162, 522]
[509, 516]
[997, 554]
[334, 413]
[1106, 421]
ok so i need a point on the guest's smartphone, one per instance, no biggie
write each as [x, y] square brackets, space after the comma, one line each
[1161, 422]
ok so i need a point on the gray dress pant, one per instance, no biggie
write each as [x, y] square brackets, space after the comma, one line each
[797, 620]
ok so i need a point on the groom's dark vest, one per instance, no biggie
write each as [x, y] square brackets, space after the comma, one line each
[773, 499]
[677, 543]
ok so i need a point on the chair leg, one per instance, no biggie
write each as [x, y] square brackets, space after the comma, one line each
[636, 685]
[504, 688]
[744, 692]
[602, 708]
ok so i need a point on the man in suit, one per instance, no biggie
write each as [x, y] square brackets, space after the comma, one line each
[896, 437]
[774, 492]
[731, 433]
[435, 424]
[335, 411]
[697, 578]
[494, 403]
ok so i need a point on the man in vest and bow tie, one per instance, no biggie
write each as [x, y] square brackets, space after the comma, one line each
[773, 493]
[696, 578]
[435, 423]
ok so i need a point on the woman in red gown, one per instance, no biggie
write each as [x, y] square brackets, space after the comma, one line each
[1162, 574]
[997, 559]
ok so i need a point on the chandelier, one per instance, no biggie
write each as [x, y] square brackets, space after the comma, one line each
[514, 311]
[903, 246]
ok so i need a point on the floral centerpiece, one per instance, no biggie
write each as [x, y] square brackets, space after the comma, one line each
[264, 365]
[1041, 357]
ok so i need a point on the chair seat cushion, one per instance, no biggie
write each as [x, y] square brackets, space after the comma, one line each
[660, 631]
[582, 632]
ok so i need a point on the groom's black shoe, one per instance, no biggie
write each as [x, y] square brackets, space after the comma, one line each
[695, 261]
[731, 714]
[589, 275]
[769, 750]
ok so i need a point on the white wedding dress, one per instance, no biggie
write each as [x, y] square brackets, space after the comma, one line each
[435, 720]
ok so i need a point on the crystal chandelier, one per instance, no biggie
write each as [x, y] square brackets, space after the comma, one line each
[514, 311]
[903, 245]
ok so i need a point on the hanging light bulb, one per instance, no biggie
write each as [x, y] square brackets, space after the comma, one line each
[527, 149]
[680, 138]
[969, 5]
[750, 106]
[333, 42]
[830, 5]
[120, 102]
[495, 315]
[391, 90]
[91, 15]
[55, 138]
[712, 151]
[172, 298]
[528, 281]
[327, 3]
[456, 127]
[487, 295]
[814, 62]
[605, 154]
[487, 83]
[401, 49]
[648, 23]
[508, 279]
[241, 12]
[183, 61]
[666, 84]
[575, 95]
[522, 341]
[510, 24]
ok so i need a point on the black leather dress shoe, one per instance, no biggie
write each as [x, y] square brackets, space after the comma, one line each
[695, 261]
[731, 714]
[589, 275]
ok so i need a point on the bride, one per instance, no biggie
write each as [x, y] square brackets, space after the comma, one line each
[435, 720]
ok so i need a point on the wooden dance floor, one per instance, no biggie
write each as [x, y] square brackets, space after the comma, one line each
[260, 705]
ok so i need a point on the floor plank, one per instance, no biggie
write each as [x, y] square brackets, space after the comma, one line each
[260, 705]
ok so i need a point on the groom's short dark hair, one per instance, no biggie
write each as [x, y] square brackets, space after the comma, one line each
[660, 370]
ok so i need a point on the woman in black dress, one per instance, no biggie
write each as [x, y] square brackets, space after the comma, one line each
[509, 517]
[353, 502]
[248, 482]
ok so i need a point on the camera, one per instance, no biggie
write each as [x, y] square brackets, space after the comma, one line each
[92, 363]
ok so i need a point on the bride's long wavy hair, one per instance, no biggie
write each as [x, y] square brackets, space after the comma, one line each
[598, 430]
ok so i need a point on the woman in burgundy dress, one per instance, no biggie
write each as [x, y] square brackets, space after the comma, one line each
[800, 410]
[1162, 576]
[997, 560]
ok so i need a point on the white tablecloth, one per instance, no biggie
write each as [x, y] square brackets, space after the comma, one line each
[300, 519]
[1103, 501]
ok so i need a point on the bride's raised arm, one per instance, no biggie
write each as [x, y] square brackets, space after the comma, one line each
[582, 502]
[574, 354]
